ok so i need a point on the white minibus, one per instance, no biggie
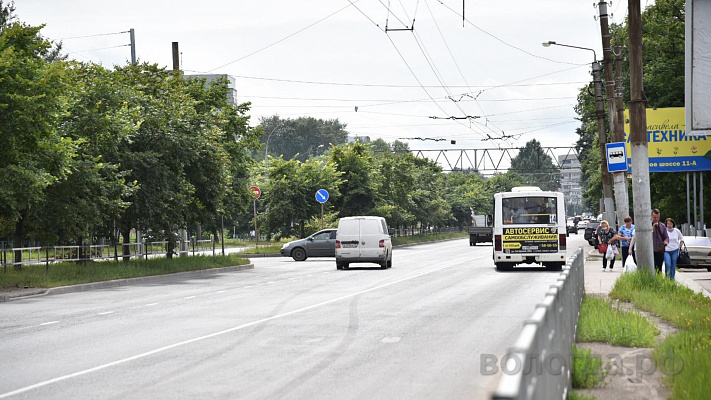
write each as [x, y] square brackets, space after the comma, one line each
[529, 227]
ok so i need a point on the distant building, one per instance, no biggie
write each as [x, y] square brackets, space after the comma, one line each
[231, 85]
[571, 173]
[357, 138]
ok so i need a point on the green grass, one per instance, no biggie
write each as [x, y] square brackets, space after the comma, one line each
[62, 274]
[601, 322]
[684, 357]
[578, 396]
[427, 237]
[275, 247]
[270, 249]
[587, 369]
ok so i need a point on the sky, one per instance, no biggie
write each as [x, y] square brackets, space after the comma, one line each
[470, 71]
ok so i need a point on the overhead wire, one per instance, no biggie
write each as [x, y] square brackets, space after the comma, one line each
[458, 68]
[486, 87]
[94, 35]
[285, 38]
[501, 40]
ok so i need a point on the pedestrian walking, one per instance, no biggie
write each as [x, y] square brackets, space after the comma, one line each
[660, 240]
[671, 250]
[606, 236]
[624, 235]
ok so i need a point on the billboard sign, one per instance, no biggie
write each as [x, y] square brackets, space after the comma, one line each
[670, 148]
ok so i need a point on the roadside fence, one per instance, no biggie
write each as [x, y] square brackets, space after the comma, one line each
[539, 365]
[10, 256]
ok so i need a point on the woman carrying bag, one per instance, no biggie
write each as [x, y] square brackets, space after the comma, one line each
[671, 250]
[606, 238]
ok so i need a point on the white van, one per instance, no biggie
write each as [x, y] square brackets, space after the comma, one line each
[529, 227]
[363, 240]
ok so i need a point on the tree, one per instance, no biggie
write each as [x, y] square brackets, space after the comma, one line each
[303, 137]
[290, 193]
[33, 155]
[536, 167]
[359, 183]
[663, 38]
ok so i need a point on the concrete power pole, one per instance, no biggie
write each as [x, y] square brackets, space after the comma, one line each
[620, 178]
[608, 211]
[638, 140]
[133, 46]
[623, 201]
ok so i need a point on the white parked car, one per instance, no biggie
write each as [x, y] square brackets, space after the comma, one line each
[699, 249]
[363, 240]
[583, 224]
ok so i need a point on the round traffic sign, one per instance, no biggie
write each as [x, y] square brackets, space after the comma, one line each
[255, 191]
[322, 196]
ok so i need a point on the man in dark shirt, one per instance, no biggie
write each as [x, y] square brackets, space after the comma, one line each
[660, 239]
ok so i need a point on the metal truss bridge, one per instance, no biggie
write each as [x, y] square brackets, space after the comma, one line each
[488, 161]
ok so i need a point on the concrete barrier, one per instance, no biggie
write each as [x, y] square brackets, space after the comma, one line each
[538, 366]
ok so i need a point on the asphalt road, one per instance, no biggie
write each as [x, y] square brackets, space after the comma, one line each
[285, 329]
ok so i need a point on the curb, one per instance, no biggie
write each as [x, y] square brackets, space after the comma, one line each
[123, 282]
[689, 282]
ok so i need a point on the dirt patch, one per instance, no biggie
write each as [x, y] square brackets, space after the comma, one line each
[631, 372]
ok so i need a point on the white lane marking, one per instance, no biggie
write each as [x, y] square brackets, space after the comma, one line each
[189, 297]
[106, 313]
[248, 286]
[49, 323]
[215, 334]
[151, 305]
[221, 291]
[391, 339]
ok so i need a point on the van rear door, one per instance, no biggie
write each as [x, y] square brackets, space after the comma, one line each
[349, 236]
[370, 236]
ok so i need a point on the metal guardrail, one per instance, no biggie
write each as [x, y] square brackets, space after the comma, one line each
[51, 254]
[539, 365]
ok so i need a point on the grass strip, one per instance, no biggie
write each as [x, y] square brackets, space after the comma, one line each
[587, 369]
[262, 250]
[600, 321]
[427, 237]
[63, 274]
[684, 357]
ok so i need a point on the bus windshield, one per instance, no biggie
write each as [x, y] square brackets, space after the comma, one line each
[529, 210]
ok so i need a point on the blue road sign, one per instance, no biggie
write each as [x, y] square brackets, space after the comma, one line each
[616, 157]
[322, 196]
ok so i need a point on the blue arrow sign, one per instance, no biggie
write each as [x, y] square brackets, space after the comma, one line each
[322, 196]
[616, 157]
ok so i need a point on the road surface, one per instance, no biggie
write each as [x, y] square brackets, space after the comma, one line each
[285, 329]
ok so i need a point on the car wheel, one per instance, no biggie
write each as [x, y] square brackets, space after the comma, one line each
[298, 254]
[390, 262]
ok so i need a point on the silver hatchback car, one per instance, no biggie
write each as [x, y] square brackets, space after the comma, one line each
[320, 244]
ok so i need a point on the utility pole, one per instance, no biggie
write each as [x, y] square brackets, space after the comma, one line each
[638, 141]
[133, 46]
[623, 201]
[620, 178]
[608, 205]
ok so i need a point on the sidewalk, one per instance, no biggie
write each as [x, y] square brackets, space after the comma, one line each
[599, 282]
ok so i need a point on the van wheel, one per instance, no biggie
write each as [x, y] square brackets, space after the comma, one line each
[298, 254]
[390, 262]
[341, 265]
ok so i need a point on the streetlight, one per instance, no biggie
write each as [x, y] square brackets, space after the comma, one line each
[550, 42]
[266, 148]
[608, 205]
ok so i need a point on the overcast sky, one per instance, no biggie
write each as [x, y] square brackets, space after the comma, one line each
[323, 59]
